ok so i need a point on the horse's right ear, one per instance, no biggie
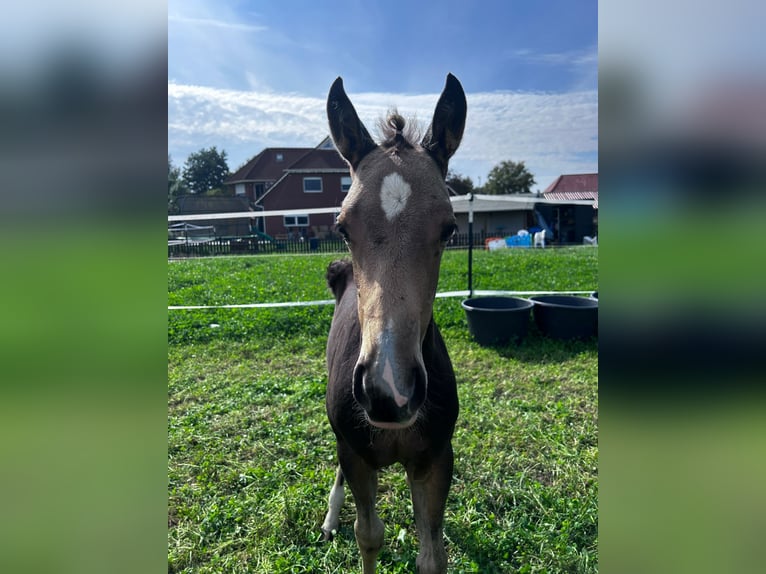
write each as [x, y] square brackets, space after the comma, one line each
[349, 134]
[446, 130]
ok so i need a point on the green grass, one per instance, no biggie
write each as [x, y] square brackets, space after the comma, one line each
[251, 454]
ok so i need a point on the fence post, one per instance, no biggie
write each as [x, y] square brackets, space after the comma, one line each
[470, 244]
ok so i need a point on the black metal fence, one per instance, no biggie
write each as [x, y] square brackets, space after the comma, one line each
[462, 240]
[254, 245]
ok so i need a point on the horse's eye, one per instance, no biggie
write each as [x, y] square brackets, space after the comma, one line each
[448, 231]
[342, 230]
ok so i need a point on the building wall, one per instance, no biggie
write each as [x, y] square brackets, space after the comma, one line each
[499, 224]
[290, 195]
[570, 223]
[201, 204]
[253, 189]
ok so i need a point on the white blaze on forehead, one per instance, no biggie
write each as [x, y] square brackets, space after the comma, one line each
[394, 193]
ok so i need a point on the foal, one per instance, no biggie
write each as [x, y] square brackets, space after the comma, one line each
[391, 392]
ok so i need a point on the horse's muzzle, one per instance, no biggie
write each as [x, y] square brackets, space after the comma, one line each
[390, 402]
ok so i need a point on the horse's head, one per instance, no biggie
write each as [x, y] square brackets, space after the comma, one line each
[396, 220]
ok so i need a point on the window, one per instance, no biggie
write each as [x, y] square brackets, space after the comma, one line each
[280, 157]
[345, 184]
[239, 189]
[296, 220]
[312, 184]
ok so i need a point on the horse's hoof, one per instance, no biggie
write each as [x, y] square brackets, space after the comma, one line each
[327, 535]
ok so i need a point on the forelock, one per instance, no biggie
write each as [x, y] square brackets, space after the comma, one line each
[395, 131]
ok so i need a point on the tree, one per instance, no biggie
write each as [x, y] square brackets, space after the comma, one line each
[176, 186]
[205, 170]
[462, 185]
[509, 177]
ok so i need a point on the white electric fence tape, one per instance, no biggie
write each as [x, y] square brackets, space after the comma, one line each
[332, 301]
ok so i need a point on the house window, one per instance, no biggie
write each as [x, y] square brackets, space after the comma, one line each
[296, 220]
[239, 189]
[345, 184]
[280, 157]
[312, 184]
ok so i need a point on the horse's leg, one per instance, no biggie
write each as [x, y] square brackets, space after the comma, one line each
[429, 487]
[335, 502]
[368, 528]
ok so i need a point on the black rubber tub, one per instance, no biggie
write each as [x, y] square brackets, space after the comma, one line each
[594, 295]
[497, 320]
[566, 316]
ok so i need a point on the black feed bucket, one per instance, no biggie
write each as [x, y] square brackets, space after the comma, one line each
[497, 320]
[566, 316]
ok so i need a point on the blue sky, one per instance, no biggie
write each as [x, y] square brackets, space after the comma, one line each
[248, 75]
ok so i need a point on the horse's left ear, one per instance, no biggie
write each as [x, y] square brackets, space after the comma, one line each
[446, 130]
[348, 132]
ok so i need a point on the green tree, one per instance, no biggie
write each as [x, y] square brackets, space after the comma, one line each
[176, 187]
[205, 170]
[509, 177]
[460, 183]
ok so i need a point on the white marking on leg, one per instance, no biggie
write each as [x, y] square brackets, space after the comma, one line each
[394, 193]
[335, 503]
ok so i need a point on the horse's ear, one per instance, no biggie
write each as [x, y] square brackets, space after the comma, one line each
[349, 134]
[446, 130]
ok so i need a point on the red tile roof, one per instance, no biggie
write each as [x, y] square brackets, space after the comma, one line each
[265, 167]
[320, 159]
[577, 186]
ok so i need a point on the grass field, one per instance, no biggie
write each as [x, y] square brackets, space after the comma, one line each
[251, 454]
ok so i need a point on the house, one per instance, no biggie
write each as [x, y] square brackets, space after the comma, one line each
[567, 210]
[292, 179]
[254, 178]
[571, 221]
[494, 215]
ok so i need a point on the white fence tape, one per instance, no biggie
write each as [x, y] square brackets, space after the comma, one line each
[479, 203]
[251, 214]
[482, 293]
[253, 305]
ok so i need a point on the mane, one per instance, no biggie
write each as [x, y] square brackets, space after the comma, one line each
[339, 273]
[396, 132]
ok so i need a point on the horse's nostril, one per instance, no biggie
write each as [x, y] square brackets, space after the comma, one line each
[418, 388]
[358, 389]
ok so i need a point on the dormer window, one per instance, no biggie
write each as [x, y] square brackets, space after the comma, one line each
[312, 184]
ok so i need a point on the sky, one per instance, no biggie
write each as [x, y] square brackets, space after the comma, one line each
[243, 76]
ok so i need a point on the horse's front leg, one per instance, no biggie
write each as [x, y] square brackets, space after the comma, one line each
[429, 486]
[368, 527]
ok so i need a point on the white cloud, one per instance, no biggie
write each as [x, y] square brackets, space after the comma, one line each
[571, 58]
[552, 133]
[214, 23]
